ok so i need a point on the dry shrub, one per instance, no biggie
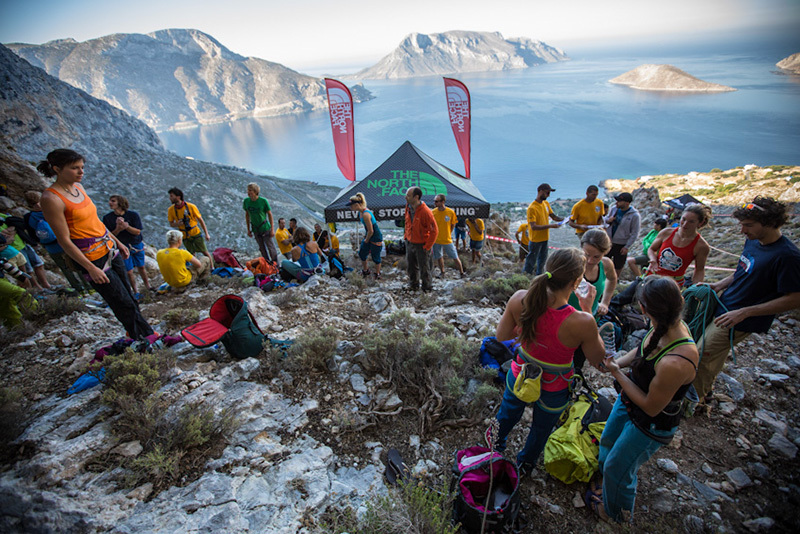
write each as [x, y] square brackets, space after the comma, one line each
[180, 318]
[497, 290]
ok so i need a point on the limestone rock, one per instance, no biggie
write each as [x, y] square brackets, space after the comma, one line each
[666, 78]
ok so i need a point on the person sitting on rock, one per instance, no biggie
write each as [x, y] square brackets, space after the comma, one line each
[306, 253]
[178, 266]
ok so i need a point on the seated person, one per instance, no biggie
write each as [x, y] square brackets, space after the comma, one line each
[178, 266]
[304, 255]
[643, 259]
[15, 258]
[329, 246]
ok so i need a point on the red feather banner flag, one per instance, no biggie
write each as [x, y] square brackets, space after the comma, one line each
[459, 108]
[340, 104]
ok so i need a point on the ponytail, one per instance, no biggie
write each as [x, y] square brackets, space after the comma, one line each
[358, 198]
[58, 158]
[564, 267]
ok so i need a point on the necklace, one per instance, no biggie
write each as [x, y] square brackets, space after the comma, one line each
[75, 195]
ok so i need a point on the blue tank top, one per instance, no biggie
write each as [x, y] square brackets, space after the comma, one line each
[377, 236]
[307, 260]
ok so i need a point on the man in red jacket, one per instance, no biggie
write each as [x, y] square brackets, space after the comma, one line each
[420, 234]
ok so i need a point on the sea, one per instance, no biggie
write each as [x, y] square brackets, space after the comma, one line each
[561, 123]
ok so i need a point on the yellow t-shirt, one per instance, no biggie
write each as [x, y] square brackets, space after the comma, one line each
[172, 264]
[476, 232]
[445, 221]
[334, 242]
[280, 235]
[523, 231]
[539, 214]
[192, 213]
[586, 213]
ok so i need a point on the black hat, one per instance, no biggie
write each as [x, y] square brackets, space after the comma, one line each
[624, 197]
[545, 187]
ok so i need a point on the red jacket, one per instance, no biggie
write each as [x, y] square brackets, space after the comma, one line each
[423, 229]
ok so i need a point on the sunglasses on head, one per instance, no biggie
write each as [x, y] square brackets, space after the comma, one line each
[751, 206]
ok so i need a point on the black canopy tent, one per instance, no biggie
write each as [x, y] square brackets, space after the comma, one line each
[682, 201]
[386, 186]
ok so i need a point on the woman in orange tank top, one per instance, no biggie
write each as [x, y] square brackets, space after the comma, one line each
[73, 217]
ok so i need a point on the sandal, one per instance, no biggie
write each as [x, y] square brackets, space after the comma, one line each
[596, 485]
[595, 503]
[396, 468]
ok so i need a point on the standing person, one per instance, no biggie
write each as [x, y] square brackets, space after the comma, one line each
[587, 212]
[34, 219]
[548, 330]
[460, 232]
[766, 282]
[292, 225]
[522, 239]
[674, 249]
[186, 217]
[420, 234]
[373, 240]
[445, 222]
[178, 266]
[284, 238]
[126, 225]
[477, 236]
[646, 414]
[92, 248]
[623, 228]
[640, 261]
[259, 223]
[539, 213]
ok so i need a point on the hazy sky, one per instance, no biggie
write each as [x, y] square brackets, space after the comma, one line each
[313, 33]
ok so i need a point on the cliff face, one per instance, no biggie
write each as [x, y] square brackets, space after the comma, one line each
[666, 78]
[422, 54]
[173, 78]
[39, 113]
[791, 63]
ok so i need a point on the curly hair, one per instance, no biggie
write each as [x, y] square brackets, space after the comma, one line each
[767, 211]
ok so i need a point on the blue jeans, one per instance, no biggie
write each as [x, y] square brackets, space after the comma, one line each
[537, 257]
[546, 412]
[623, 449]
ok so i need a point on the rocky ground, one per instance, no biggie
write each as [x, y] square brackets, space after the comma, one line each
[295, 458]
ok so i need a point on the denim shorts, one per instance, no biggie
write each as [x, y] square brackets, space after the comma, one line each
[476, 245]
[33, 258]
[441, 250]
[136, 257]
[370, 249]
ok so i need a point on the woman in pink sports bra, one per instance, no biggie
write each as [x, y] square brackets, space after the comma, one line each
[674, 249]
[548, 330]
[92, 249]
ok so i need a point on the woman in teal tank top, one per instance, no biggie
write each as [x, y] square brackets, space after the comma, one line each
[373, 241]
[599, 271]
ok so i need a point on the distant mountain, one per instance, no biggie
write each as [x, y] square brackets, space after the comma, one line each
[791, 63]
[667, 78]
[175, 78]
[432, 54]
[39, 113]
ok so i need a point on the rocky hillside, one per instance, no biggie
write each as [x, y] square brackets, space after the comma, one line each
[308, 435]
[721, 188]
[39, 113]
[432, 54]
[177, 77]
[666, 78]
[791, 63]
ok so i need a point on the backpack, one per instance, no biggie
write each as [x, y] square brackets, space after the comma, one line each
[230, 322]
[494, 354]
[225, 256]
[486, 489]
[571, 452]
[336, 269]
[44, 233]
[261, 266]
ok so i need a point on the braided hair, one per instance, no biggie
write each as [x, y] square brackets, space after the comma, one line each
[564, 267]
[661, 298]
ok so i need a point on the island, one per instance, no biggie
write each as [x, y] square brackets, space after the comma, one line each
[667, 78]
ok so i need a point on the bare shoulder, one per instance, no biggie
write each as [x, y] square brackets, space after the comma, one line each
[608, 264]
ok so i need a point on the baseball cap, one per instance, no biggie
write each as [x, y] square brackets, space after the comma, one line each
[546, 187]
[624, 197]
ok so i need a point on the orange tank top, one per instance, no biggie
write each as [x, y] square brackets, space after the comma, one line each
[86, 229]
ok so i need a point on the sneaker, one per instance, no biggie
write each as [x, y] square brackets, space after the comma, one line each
[608, 337]
[377, 276]
[365, 272]
[137, 297]
[463, 274]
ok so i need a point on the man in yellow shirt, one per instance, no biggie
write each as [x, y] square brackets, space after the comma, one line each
[539, 213]
[477, 235]
[186, 217]
[587, 212]
[179, 266]
[522, 239]
[284, 238]
[445, 222]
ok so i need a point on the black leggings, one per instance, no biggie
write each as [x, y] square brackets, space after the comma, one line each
[119, 297]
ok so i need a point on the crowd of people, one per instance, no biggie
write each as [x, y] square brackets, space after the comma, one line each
[555, 322]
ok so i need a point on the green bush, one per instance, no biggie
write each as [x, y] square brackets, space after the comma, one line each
[497, 290]
[52, 307]
[288, 298]
[778, 168]
[794, 179]
[11, 414]
[715, 169]
[415, 508]
[159, 466]
[313, 349]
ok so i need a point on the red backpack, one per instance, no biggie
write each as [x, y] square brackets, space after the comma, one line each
[225, 256]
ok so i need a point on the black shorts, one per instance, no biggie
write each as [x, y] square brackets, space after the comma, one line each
[617, 256]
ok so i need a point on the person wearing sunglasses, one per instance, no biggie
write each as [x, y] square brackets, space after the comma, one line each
[766, 282]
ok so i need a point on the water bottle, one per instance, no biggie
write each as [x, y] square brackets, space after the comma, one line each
[583, 289]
